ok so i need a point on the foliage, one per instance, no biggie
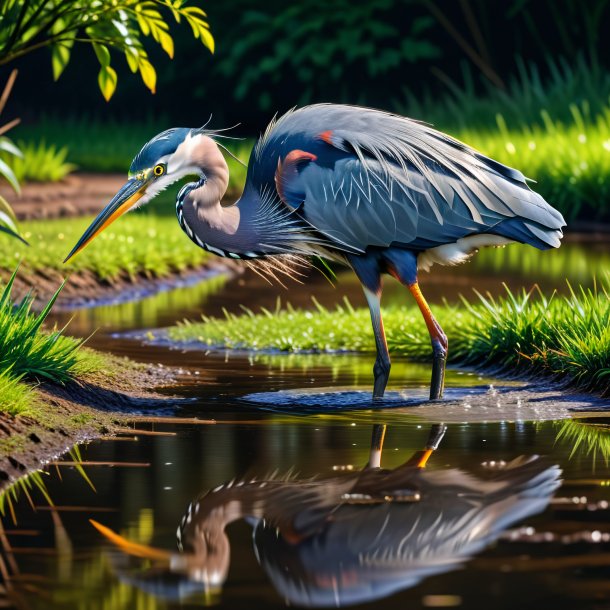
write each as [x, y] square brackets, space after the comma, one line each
[563, 336]
[8, 222]
[103, 24]
[529, 95]
[23, 485]
[25, 350]
[320, 43]
[40, 163]
[138, 244]
[15, 397]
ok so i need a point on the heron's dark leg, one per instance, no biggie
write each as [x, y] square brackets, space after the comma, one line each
[381, 368]
[420, 458]
[376, 446]
[367, 270]
[439, 344]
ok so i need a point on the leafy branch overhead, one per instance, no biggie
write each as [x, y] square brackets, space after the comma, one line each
[122, 25]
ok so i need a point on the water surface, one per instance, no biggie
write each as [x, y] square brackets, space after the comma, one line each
[509, 511]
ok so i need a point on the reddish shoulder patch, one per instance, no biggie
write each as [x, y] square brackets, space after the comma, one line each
[326, 136]
[297, 156]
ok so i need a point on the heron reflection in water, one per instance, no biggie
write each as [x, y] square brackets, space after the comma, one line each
[351, 538]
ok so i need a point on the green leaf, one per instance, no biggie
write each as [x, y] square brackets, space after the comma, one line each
[60, 54]
[7, 146]
[107, 80]
[8, 221]
[132, 57]
[7, 173]
[102, 53]
[167, 43]
[149, 75]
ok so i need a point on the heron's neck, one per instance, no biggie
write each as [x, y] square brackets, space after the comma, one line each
[223, 230]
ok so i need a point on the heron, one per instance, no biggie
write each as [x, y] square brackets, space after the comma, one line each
[349, 538]
[380, 192]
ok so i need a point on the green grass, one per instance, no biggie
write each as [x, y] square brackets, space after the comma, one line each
[39, 162]
[566, 337]
[29, 353]
[475, 103]
[138, 244]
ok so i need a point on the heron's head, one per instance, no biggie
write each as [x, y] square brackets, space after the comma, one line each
[168, 157]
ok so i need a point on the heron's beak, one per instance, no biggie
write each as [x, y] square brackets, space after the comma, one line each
[130, 192]
[131, 548]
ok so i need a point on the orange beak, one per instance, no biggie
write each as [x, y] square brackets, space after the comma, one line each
[131, 548]
[123, 201]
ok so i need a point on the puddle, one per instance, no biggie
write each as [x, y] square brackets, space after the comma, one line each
[511, 509]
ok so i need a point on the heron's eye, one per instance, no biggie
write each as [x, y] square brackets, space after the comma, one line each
[159, 170]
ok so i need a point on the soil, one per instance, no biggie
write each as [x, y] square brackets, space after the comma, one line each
[76, 195]
[83, 410]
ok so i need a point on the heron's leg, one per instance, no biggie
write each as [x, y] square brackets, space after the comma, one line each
[420, 458]
[367, 270]
[376, 446]
[381, 368]
[439, 344]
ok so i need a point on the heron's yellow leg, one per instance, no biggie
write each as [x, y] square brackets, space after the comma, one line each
[439, 343]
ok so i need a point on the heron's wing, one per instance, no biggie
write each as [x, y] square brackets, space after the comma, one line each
[380, 179]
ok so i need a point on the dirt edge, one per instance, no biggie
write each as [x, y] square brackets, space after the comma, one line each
[83, 410]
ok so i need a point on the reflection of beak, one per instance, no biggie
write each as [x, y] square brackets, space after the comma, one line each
[130, 192]
[131, 548]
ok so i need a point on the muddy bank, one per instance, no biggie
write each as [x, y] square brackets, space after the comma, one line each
[76, 195]
[97, 405]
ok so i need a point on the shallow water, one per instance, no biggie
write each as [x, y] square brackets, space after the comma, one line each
[472, 529]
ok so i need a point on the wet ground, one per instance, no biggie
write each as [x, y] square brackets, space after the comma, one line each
[506, 507]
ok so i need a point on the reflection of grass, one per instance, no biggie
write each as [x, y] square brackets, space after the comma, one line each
[592, 439]
[565, 336]
[146, 312]
[137, 244]
[24, 485]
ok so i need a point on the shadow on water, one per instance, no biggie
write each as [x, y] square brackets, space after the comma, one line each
[511, 510]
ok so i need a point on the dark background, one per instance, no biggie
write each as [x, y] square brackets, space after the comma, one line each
[273, 55]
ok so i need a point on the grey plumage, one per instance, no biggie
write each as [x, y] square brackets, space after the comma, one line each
[402, 183]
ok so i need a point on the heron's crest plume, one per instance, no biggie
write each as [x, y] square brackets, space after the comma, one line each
[166, 143]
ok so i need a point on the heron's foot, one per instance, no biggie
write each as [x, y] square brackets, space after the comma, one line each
[439, 361]
[381, 372]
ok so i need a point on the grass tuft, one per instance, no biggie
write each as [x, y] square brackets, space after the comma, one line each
[40, 162]
[27, 351]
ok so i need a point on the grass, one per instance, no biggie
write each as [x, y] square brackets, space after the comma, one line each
[475, 103]
[29, 353]
[565, 337]
[40, 162]
[139, 244]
